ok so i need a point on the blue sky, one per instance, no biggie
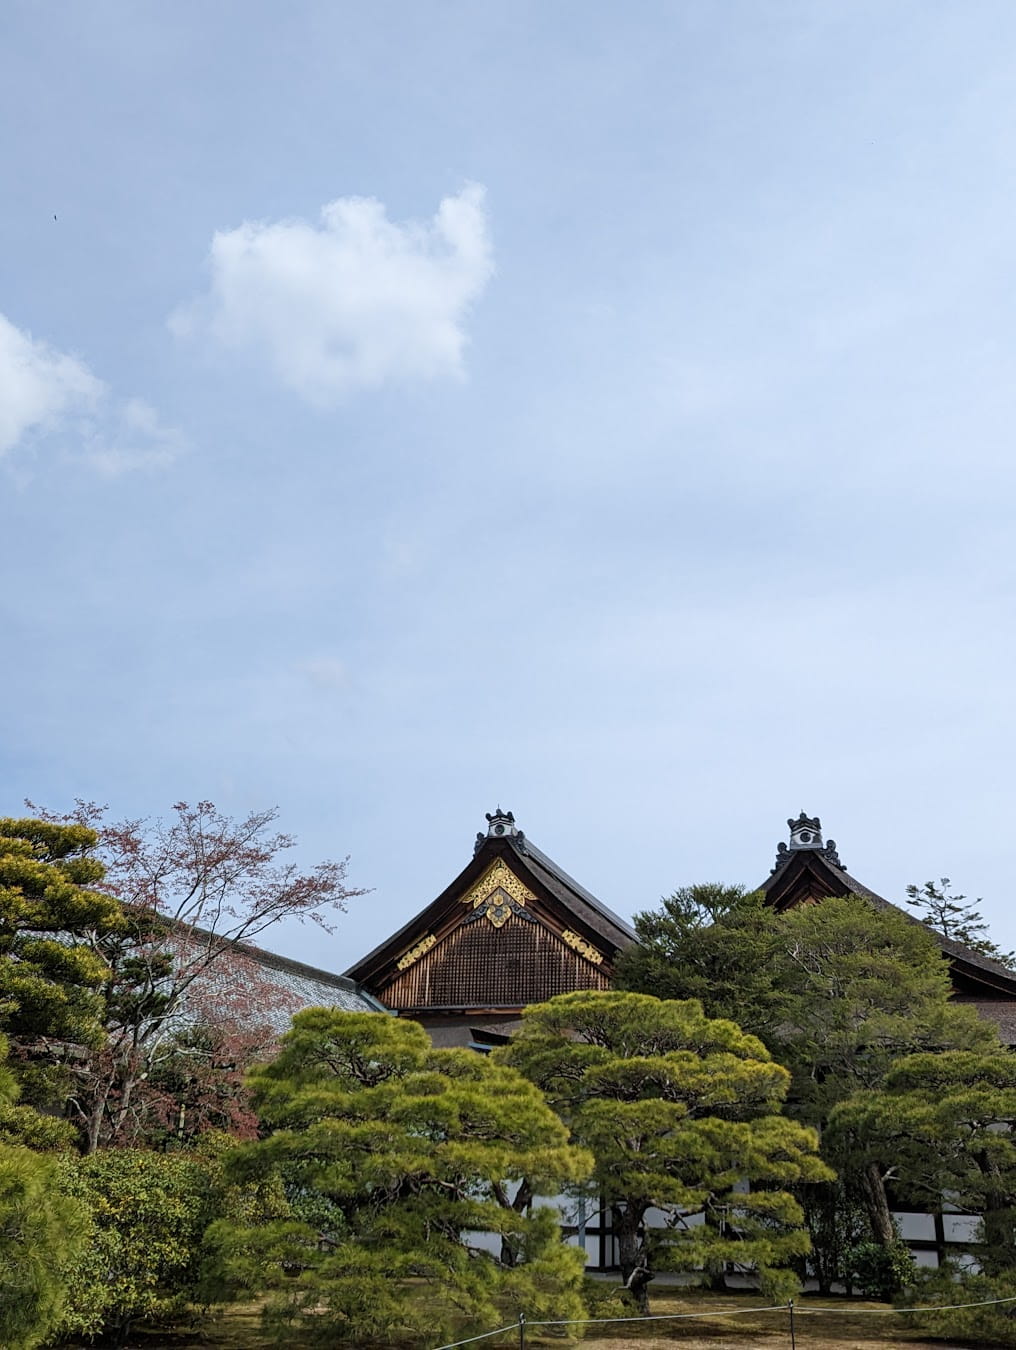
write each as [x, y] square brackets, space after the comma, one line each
[601, 411]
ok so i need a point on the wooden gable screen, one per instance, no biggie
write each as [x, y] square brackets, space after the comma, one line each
[482, 966]
[496, 950]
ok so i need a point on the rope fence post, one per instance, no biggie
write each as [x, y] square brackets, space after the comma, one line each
[522, 1331]
[790, 1309]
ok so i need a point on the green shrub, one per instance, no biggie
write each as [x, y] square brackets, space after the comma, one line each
[877, 1271]
[991, 1325]
[148, 1212]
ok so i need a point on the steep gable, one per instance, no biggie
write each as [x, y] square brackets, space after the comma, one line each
[808, 870]
[512, 929]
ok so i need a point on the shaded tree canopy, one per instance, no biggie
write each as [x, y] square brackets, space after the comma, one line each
[712, 942]
[948, 1122]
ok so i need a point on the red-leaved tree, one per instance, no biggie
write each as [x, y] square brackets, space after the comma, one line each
[187, 1008]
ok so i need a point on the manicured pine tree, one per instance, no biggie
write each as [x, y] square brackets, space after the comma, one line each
[682, 1114]
[397, 1158]
[50, 916]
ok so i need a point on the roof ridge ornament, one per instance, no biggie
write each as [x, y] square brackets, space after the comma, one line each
[806, 834]
[500, 825]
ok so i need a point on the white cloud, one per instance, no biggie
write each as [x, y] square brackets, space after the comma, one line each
[351, 303]
[39, 386]
[42, 390]
[139, 441]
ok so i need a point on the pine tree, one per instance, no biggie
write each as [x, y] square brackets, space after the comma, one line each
[955, 918]
[41, 1233]
[679, 1112]
[397, 1157]
[712, 942]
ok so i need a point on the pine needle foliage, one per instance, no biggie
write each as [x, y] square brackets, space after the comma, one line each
[397, 1157]
[682, 1115]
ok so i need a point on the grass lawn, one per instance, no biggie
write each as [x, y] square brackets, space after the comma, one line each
[853, 1325]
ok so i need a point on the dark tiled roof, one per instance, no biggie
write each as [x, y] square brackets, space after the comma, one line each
[563, 892]
[582, 902]
[269, 988]
[302, 986]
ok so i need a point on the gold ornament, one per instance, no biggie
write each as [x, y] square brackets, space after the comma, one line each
[414, 954]
[498, 895]
[583, 947]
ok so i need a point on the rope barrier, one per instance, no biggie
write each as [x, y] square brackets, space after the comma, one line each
[660, 1317]
[939, 1307]
[791, 1307]
[482, 1337]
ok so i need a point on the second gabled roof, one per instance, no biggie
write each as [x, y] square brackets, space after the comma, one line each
[807, 869]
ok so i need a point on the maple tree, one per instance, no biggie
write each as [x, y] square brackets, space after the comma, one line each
[194, 889]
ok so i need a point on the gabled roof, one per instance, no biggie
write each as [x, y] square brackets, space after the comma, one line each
[250, 986]
[808, 870]
[549, 917]
[299, 986]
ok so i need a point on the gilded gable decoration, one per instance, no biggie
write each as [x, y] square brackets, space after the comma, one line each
[583, 947]
[497, 896]
[414, 953]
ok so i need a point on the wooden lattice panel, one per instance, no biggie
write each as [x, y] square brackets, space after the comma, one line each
[478, 965]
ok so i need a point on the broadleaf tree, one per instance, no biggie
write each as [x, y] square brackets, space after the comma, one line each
[837, 991]
[147, 1213]
[861, 987]
[194, 889]
[682, 1114]
[401, 1163]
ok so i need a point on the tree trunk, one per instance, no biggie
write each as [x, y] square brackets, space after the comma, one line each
[511, 1248]
[997, 1253]
[636, 1274]
[716, 1270]
[876, 1206]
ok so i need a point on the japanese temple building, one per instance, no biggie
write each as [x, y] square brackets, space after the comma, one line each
[514, 928]
[808, 870]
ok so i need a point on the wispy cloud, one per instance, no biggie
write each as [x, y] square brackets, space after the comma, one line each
[326, 672]
[349, 304]
[44, 391]
[137, 440]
